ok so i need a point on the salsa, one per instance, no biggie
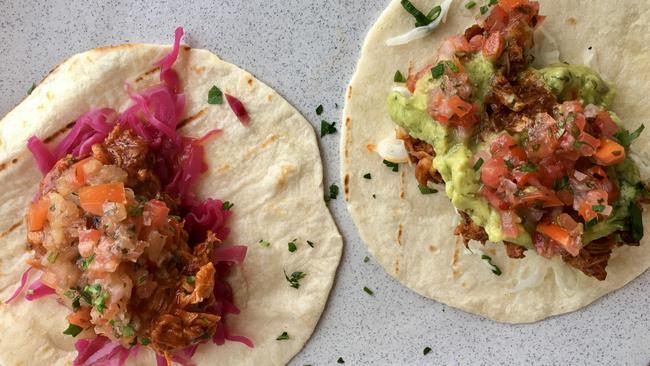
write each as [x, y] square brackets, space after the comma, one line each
[534, 158]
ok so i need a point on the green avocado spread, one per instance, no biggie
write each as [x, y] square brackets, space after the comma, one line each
[455, 154]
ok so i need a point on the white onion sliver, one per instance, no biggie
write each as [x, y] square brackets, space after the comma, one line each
[393, 149]
[403, 91]
[421, 32]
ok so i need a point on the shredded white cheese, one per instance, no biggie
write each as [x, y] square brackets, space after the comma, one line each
[421, 32]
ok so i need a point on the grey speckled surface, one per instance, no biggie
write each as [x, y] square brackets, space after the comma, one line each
[307, 50]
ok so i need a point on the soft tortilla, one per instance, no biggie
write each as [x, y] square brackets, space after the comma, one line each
[411, 235]
[271, 171]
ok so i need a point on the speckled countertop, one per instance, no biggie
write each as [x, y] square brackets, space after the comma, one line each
[307, 51]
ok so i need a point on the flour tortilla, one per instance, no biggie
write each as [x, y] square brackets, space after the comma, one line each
[411, 234]
[270, 170]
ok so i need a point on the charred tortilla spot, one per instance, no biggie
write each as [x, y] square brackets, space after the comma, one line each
[266, 143]
[572, 21]
[371, 147]
[191, 118]
[250, 83]
[10, 229]
[346, 186]
[402, 192]
[146, 73]
[400, 229]
[350, 92]
[396, 265]
[59, 132]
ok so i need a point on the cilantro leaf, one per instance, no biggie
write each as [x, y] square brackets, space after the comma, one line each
[327, 128]
[215, 96]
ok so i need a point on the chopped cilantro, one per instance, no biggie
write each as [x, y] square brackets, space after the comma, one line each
[562, 183]
[144, 341]
[393, 166]
[51, 258]
[451, 65]
[399, 78]
[283, 337]
[142, 279]
[310, 243]
[493, 2]
[368, 291]
[478, 164]
[434, 13]
[426, 190]
[340, 360]
[327, 128]
[509, 164]
[598, 208]
[626, 137]
[292, 246]
[496, 270]
[319, 110]
[334, 192]
[86, 262]
[76, 305]
[470, 5]
[294, 280]
[426, 350]
[127, 331]
[366, 259]
[591, 223]
[438, 70]
[636, 221]
[227, 205]
[264, 243]
[367, 176]
[215, 96]
[420, 19]
[190, 279]
[100, 302]
[72, 330]
[484, 9]
[31, 89]
[527, 168]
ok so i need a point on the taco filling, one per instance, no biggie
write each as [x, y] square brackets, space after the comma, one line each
[121, 239]
[533, 158]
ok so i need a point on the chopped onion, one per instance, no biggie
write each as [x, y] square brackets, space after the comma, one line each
[238, 108]
[579, 176]
[591, 110]
[531, 274]
[421, 32]
[37, 290]
[403, 91]
[392, 149]
[23, 282]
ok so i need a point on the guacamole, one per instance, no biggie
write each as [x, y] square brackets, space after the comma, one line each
[455, 153]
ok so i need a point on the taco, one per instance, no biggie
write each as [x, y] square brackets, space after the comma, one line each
[158, 230]
[488, 154]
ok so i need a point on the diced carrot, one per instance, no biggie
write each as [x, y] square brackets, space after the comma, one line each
[38, 214]
[92, 198]
[81, 317]
[609, 152]
[555, 232]
[157, 211]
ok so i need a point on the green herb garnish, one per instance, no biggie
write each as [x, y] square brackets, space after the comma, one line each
[31, 89]
[367, 176]
[76, 305]
[598, 208]
[478, 164]
[562, 183]
[470, 5]
[451, 65]
[283, 337]
[144, 341]
[636, 221]
[86, 262]
[438, 70]
[484, 9]
[327, 128]
[626, 137]
[496, 270]
[493, 2]
[319, 110]
[528, 168]
[366, 259]
[340, 360]
[420, 18]
[215, 96]
[142, 279]
[264, 243]
[427, 190]
[292, 246]
[393, 166]
[127, 331]
[227, 205]
[426, 350]
[72, 330]
[334, 192]
[591, 223]
[295, 278]
[100, 302]
[434, 13]
[190, 279]
[368, 291]
[399, 78]
[51, 258]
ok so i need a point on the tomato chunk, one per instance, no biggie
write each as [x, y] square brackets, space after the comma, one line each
[609, 152]
[38, 214]
[493, 46]
[92, 198]
[493, 171]
[156, 211]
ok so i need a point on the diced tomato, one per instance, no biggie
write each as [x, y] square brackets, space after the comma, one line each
[593, 198]
[523, 178]
[546, 247]
[497, 20]
[606, 124]
[542, 140]
[88, 238]
[38, 214]
[493, 171]
[510, 5]
[546, 199]
[572, 106]
[609, 152]
[493, 46]
[413, 79]
[509, 220]
[566, 196]
[157, 212]
[492, 197]
[92, 198]
[476, 43]
[587, 144]
[438, 108]
[79, 173]
[518, 153]
[459, 106]
[501, 146]
[555, 232]
[551, 170]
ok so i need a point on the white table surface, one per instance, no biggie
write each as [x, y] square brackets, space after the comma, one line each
[307, 50]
